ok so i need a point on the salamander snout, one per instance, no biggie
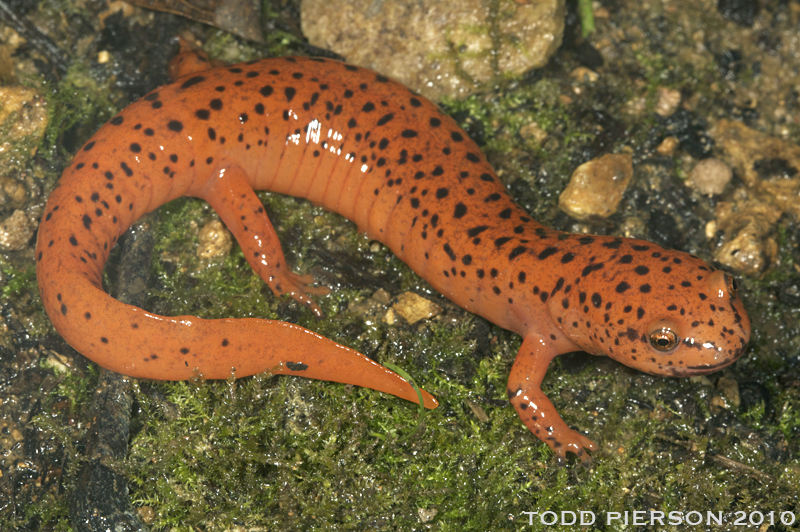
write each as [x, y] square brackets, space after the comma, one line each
[699, 328]
[698, 346]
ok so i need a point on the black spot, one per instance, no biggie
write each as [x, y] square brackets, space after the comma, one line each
[437, 171]
[212, 133]
[87, 221]
[516, 252]
[266, 90]
[548, 252]
[368, 107]
[597, 300]
[501, 241]
[622, 287]
[475, 231]
[192, 81]
[135, 148]
[449, 251]
[642, 270]
[415, 102]
[89, 146]
[117, 120]
[626, 259]
[126, 169]
[175, 125]
[471, 157]
[385, 119]
[492, 197]
[435, 122]
[149, 132]
[640, 313]
[460, 210]
[289, 92]
[591, 268]
[645, 289]
[442, 193]
[567, 257]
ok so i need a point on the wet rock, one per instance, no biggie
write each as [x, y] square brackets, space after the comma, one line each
[730, 389]
[23, 119]
[769, 166]
[740, 11]
[215, 240]
[13, 192]
[596, 187]
[16, 231]
[745, 226]
[414, 308]
[691, 131]
[710, 176]
[668, 101]
[438, 47]
[582, 74]
[668, 146]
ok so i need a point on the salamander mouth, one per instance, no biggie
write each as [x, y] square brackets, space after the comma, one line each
[690, 371]
[699, 370]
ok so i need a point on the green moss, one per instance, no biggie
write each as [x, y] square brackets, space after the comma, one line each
[80, 102]
[292, 454]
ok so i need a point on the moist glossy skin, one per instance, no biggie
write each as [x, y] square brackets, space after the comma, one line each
[391, 161]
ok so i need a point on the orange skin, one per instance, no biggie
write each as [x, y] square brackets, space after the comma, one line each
[408, 176]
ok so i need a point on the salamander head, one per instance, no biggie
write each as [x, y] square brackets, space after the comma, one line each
[697, 332]
[676, 317]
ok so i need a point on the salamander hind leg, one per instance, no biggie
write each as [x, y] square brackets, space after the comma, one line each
[230, 194]
[536, 410]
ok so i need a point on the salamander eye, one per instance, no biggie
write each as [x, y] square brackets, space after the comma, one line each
[664, 339]
[733, 287]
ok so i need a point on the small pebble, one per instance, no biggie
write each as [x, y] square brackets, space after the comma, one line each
[668, 146]
[215, 240]
[16, 231]
[711, 176]
[414, 308]
[596, 187]
[668, 101]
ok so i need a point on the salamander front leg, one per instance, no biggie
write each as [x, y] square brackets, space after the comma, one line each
[230, 194]
[535, 409]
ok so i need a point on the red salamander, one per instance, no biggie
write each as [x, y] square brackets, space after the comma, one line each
[370, 149]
